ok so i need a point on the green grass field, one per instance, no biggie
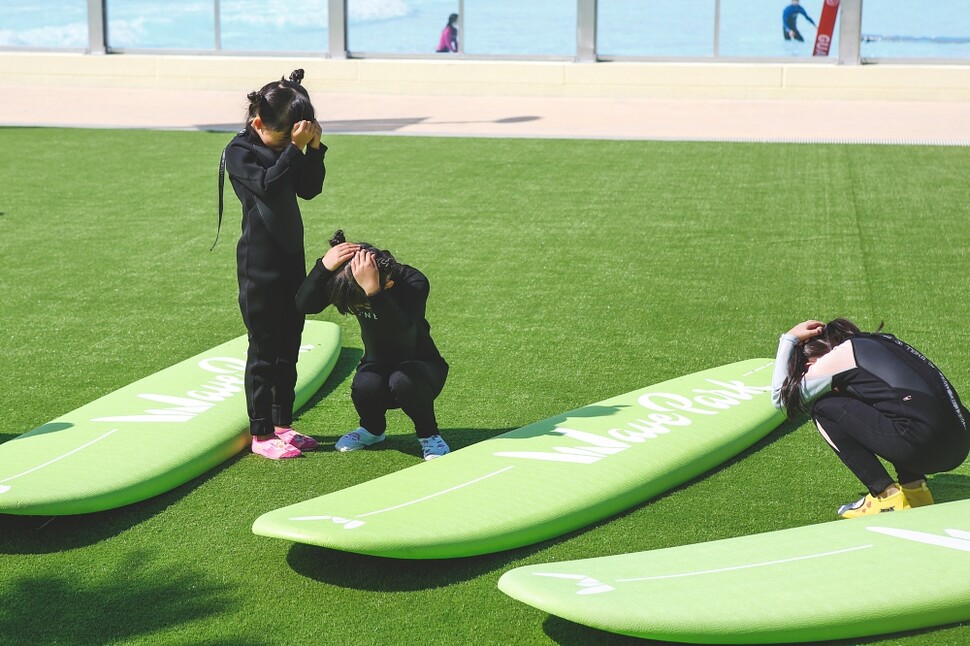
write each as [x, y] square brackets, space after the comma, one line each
[563, 273]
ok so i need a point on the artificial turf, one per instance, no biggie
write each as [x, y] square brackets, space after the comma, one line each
[563, 272]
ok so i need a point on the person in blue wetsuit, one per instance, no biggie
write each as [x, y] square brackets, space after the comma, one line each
[873, 396]
[789, 19]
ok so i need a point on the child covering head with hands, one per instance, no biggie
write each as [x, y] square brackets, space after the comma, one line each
[873, 396]
[276, 158]
[401, 366]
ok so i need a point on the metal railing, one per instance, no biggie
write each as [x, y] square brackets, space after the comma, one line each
[586, 49]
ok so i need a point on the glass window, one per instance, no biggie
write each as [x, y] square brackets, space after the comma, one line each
[273, 25]
[659, 28]
[925, 29]
[396, 26]
[161, 24]
[514, 27]
[44, 23]
[757, 29]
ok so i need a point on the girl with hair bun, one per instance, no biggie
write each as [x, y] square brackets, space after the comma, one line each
[872, 396]
[276, 158]
[401, 366]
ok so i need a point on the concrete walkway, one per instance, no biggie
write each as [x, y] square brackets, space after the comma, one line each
[855, 121]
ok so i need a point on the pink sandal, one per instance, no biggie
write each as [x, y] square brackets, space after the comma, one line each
[275, 449]
[294, 439]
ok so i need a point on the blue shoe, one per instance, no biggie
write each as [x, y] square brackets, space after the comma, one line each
[433, 447]
[356, 440]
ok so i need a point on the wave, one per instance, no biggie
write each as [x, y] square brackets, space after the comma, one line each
[73, 35]
[373, 10]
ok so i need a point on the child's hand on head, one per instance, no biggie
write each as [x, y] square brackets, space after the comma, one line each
[339, 254]
[317, 132]
[303, 133]
[364, 268]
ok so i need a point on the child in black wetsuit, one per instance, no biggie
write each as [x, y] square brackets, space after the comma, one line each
[873, 396]
[401, 366]
[275, 159]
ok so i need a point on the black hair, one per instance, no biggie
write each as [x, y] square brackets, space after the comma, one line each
[281, 104]
[834, 333]
[345, 294]
[452, 19]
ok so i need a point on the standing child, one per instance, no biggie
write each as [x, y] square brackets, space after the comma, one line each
[401, 366]
[277, 157]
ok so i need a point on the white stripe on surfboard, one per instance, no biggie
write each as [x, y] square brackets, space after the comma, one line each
[5, 488]
[960, 539]
[590, 585]
[416, 501]
[747, 566]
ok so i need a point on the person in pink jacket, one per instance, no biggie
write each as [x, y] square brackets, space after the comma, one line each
[449, 36]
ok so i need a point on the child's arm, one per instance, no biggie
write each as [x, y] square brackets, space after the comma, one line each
[243, 165]
[309, 184]
[314, 294]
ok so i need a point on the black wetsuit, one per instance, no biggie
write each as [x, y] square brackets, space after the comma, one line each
[401, 366]
[894, 403]
[271, 267]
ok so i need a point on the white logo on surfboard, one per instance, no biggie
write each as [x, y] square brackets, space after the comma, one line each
[670, 411]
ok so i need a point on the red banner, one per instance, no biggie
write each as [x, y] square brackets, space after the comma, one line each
[826, 27]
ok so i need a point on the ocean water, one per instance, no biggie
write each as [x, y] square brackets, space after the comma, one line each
[892, 29]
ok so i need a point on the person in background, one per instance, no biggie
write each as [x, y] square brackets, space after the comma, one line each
[789, 18]
[449, 36]
[401, 366]
[874, 397]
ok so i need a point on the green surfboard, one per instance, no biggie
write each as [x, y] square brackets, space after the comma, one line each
[545, 479]
[839, 580]
[150, 436]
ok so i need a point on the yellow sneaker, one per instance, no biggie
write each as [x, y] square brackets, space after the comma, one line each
[872, 505]
[919, 497]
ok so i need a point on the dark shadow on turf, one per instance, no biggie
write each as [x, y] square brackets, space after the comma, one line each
[947, 487]
[51, 534]
[345, 366]
[87, 606]
[378, 574]
[567, 633]
[335, 127]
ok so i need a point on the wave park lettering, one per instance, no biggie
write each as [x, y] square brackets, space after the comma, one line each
[671, 412]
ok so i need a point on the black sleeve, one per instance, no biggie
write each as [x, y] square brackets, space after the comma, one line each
[314, 294]
[408, 308]
[314, 172]
[243, 165]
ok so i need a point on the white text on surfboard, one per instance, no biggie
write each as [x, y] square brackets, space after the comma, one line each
[228, 382]
[671, 411]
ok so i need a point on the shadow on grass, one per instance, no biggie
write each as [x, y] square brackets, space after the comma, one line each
[346, 364]
[947, 487]
[87, 607]
[50, 534]
[567, 633]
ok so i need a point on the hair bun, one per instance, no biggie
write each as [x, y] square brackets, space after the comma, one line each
[296, 76]
[338, 238]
